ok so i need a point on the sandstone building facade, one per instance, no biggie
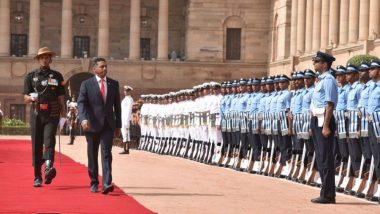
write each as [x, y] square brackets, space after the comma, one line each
[212, 39]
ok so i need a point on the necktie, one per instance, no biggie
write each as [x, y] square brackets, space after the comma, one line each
[102, 91]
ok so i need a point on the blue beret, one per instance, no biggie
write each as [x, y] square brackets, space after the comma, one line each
[364, 66]
[324, 57]
[298, 75]
[351, 69]
[255, 81]
[340, 69]
[235, 83]
[263, 81]
[375, 63]
[249, 82]
[269, 80]
[242, 82]
[284, 78]
[228, 84]
[308, 73]
[276, 79]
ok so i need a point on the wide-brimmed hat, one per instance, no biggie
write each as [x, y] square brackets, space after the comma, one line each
[44, 51]
[128, 88]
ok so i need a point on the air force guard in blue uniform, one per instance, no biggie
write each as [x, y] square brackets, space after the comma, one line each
[373, 109]
[322, 125]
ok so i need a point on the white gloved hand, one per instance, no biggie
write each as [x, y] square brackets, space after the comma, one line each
[62, 122]
[34, 96]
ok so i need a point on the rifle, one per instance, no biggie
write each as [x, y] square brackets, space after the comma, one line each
[369, 184]
[347, 180]
[216, 159]
[311, 172]
[227, 156]
[339, 177]
[270, 170]
[300, 165]
[358, 182]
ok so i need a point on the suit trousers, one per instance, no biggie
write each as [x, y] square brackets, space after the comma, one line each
[324, 156]
[104, 139]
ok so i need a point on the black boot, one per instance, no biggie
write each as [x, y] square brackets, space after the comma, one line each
[50, 172]
[37, 182]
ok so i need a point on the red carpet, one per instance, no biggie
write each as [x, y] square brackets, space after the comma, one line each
[68, 193]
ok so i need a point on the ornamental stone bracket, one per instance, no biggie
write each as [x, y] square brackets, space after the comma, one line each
[148, 72]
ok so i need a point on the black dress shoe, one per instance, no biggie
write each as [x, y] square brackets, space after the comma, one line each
[50, 174]
[70, 143]
[94, 188]
[373, 198]
[107, 189]
[323, 200]
[360, 195]
[37, 182]
[124, 152]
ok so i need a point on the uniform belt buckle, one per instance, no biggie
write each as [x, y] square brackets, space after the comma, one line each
[43, 106]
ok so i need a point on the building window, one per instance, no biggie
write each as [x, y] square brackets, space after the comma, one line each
[18, 111]
[81, 46]
[145, 48]
[19, 44]
[233, 47]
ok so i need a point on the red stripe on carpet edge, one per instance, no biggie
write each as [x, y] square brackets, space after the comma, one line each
[68, 193]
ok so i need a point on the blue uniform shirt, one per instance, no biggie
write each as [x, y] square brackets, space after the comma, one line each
[223, 105]
[250, 102]
[296, 101]
[283, 100]
[342, 97]
[268, 101]
[273, 102]
[353, 96]
[256, 101]
[234, 103]
[364, 95]
[374, 98]
[306, 99]
[229, 103]
[242, 102]
[262, 105]
[325, 91]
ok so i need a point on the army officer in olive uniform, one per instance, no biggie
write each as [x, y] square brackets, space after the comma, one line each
[44, 89]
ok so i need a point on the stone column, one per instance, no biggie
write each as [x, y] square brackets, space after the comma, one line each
[374, 18]
[67, 29]
[5, 28]
[293, 28]
[309, 26]
[343, 30]
[325, 24]
[134, 32]
[334, 22]
[317, 25]
[353, 26]
[103, 34]
[163, 29]
[34, 28]
[301, 26]
[364, 20]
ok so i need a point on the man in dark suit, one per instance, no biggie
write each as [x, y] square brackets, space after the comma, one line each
[100, 116]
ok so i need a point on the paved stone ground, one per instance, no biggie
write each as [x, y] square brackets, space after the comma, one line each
[168, 184]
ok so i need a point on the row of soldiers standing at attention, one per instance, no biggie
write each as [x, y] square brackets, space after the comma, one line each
[263, 126]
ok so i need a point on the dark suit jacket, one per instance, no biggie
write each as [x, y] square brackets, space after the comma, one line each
[92, 107]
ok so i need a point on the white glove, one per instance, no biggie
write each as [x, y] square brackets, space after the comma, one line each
[34, 96]
[62, 122]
